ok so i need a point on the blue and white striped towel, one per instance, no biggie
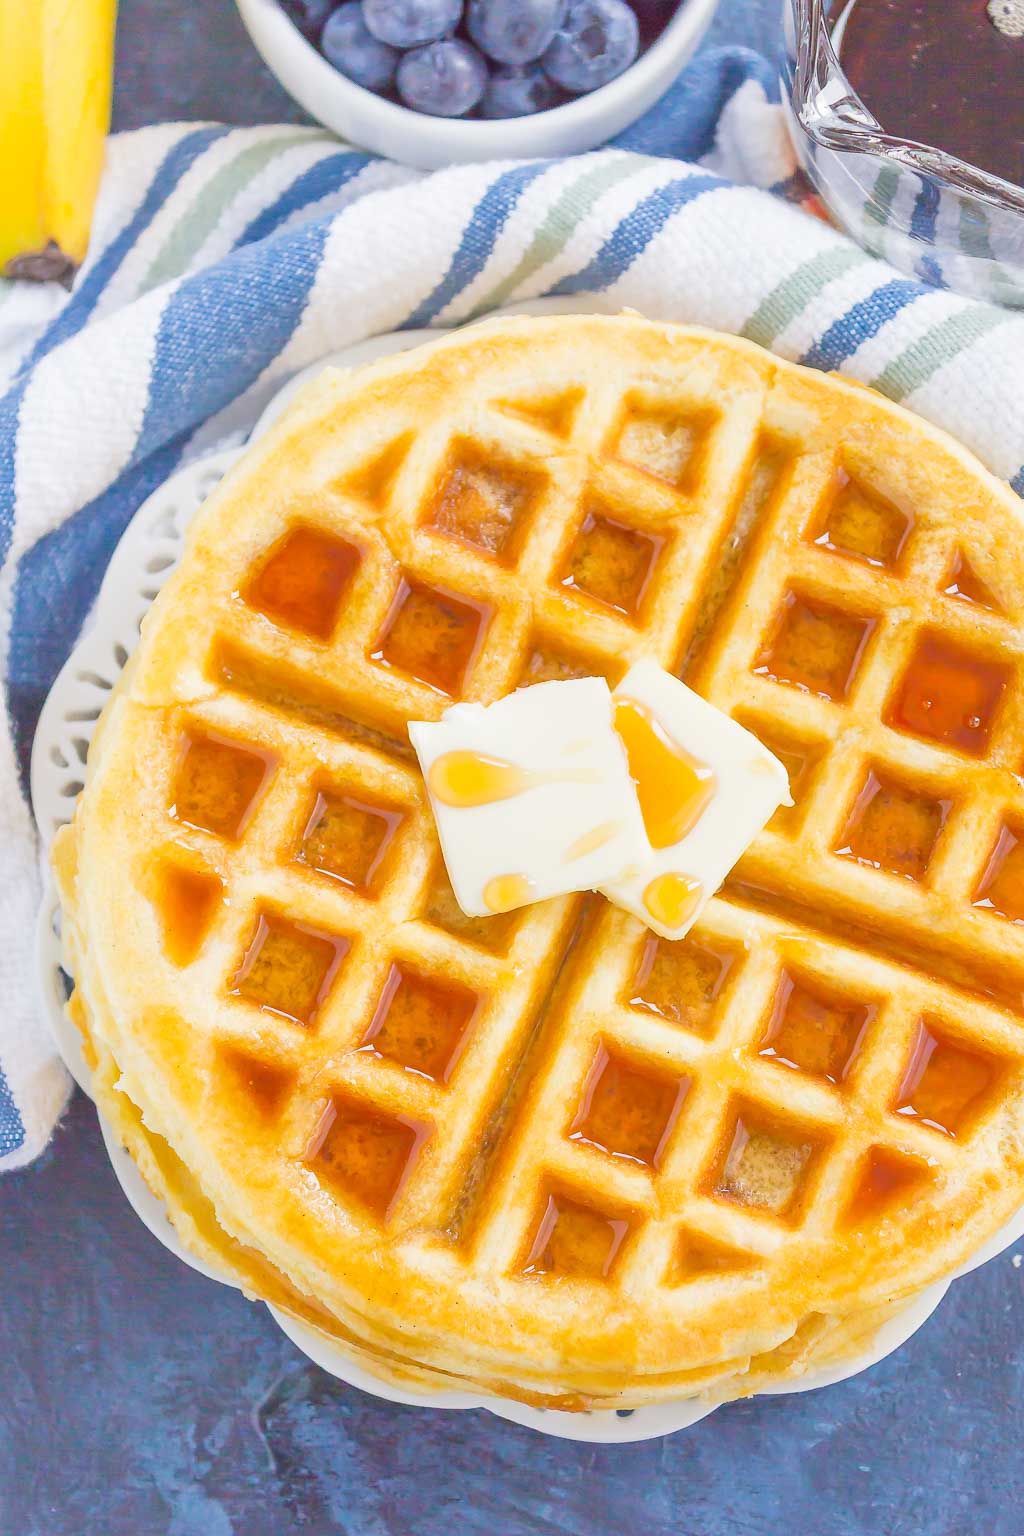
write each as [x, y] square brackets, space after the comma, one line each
[225, 259]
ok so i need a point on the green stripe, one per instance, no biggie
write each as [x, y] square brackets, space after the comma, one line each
[202, 216]
[879, 205]
[562, 220]
[914, 366]
[796, 291]
[878, 210]
[1002, 287]
[973, 230]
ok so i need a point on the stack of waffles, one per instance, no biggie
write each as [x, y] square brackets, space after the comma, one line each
[547, 1154]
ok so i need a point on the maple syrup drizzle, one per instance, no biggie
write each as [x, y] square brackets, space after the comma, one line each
[366, 1155]
[433, 635]
[814, 1033]
[762, 1161]
[1001, 888]
[504, 893]
[628, 1110]
[815, 647]
[864, 524]
[949, 695]
[682, 981]
[315, 1140]
[264, 1085]
[304, 581]
[944, 1083]
[673, 899]
[187, 900]
[442, 909]
[673, 788]
[963, 581]
[219, 783]
[573, 1239]
[697, 1256]
[591, 841]
[613, 563]
[482, 503]
[892, 827]
[288, 968]
[886, 1180]
[348, 839]
[465, 779]
[421, 1023]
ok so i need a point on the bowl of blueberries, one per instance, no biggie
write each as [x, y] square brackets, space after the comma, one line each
[434, 82]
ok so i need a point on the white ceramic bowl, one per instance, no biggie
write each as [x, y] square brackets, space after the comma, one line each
[362, 118]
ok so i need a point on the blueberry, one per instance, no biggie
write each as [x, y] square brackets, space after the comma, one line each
[518, 93]
[308, 15]
[354, 51]
[445, 79]
[597, 40]
[514, 31]
[408, 23]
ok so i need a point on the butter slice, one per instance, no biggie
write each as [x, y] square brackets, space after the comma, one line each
[741, 784]
[568, 818]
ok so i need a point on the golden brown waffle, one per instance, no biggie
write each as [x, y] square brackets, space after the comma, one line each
[818, 1342]
[548, 1153]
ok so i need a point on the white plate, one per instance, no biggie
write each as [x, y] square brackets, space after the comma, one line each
[147, 553]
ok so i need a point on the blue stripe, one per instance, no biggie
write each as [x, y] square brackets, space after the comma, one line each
[923, 220]
[55, 587]
[683, 123]
[224, 325]
[925, 213]
[10, 410]
[56, 584]
[930, 272]
[82, 302]
[1017, 483]
[327, 176]
[474, 249]
[12, 1130]
[87, 293]
[635, 232]
[865, 319]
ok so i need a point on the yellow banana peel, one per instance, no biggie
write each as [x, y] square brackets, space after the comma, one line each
[56, 76]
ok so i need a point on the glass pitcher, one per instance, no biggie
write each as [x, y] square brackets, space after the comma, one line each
[928, 213]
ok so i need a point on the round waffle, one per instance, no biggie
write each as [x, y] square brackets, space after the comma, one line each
[547, 1152]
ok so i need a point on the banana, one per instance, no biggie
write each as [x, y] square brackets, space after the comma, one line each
[56, 77]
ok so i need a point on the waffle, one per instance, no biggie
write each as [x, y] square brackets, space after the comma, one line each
[818, 1342]
[547, 1153]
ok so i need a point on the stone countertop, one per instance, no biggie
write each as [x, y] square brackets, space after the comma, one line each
[138, 1399]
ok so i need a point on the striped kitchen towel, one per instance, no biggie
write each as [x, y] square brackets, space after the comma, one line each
[225, 259]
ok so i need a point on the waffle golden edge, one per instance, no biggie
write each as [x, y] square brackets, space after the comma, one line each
[379, 1114]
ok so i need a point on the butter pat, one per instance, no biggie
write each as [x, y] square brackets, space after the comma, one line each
[531, 795]
[706, 788]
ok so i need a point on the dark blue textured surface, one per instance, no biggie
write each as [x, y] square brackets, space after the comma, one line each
[137, 1399]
